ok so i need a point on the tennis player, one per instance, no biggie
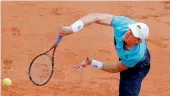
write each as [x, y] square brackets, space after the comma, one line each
[130, 44]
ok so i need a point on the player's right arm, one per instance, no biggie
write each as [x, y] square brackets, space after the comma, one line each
[99, 18]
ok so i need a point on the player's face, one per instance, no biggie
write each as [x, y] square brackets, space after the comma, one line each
[130, 39]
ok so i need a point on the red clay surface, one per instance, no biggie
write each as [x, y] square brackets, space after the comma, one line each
[30, 28]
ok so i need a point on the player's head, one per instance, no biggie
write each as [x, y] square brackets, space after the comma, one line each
[136, 33]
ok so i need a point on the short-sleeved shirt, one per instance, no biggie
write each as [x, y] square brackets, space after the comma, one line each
[131, 57]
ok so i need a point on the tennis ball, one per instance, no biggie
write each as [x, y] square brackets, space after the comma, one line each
[7, 82]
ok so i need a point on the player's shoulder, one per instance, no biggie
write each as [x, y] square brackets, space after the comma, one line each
[121, 20]
[121, 17]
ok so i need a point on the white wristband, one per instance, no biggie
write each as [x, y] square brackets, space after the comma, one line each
[78, 25]
[97, 64]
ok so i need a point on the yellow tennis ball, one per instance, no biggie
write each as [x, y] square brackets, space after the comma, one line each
[7, 82]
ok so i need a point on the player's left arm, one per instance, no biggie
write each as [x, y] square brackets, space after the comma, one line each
[113, 68]
[105, 66]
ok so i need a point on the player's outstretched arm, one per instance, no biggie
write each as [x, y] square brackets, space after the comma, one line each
[99, 18]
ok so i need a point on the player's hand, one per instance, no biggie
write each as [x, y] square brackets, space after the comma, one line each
[85, 62]
[65, 30]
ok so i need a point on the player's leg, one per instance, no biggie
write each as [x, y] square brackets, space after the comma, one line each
[131, 86]
[131, 79]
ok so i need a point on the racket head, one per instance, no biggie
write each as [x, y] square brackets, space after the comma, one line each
[41, 69]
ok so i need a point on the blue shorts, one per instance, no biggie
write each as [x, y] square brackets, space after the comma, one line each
[131, 79]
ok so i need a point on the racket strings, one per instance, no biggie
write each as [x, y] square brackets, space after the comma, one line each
[41, 69]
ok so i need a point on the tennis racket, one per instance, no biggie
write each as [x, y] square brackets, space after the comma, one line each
[42, 66]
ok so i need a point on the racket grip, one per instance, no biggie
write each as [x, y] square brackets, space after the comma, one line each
[58, 40]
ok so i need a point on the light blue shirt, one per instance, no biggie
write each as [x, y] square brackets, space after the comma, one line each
[131, 57]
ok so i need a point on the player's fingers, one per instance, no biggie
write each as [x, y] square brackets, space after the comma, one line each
[60, 31]
[64, 34]
[76, 67]
[80, 68]
[60, 34]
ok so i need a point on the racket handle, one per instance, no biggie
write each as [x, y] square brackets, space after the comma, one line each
[58, 40]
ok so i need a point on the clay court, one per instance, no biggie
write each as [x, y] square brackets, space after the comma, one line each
[30, 28]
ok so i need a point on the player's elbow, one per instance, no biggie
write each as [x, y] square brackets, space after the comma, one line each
[95, 16]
